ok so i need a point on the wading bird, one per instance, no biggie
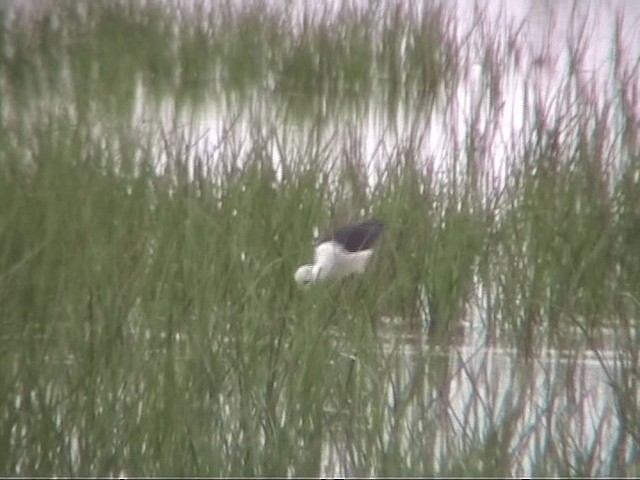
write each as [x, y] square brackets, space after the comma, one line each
[345, 251]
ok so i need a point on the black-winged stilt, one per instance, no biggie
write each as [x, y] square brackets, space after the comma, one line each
[345, 251]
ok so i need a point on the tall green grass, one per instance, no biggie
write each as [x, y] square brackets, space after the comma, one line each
[149, 322]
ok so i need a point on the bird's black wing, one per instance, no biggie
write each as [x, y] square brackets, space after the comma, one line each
[358, 236]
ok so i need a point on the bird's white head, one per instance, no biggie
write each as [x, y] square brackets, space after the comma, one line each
[306, 274]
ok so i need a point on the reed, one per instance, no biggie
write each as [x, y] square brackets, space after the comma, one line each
[149, 322]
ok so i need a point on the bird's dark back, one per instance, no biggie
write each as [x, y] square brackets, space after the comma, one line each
[358, 236]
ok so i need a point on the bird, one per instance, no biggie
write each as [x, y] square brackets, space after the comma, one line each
[345, 251]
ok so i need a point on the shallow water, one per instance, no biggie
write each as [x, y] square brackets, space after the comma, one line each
[558, 399]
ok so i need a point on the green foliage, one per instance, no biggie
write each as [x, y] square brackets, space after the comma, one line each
[149, 322]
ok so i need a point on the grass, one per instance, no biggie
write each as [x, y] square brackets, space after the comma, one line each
[149, 322]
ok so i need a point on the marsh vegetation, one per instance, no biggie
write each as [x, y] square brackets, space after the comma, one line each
[163, 166]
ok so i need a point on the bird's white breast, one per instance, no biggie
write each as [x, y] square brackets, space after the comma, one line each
[334, 261]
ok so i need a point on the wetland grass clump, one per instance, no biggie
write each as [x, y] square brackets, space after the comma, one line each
[137, 299]
[149, 321]
[561, 226]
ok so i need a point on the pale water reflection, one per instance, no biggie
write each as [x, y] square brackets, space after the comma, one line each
[543, 42]
[559, 401]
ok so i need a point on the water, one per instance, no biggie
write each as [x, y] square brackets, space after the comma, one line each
[499, 101]
[559, 399]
